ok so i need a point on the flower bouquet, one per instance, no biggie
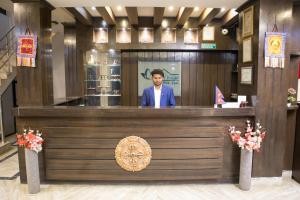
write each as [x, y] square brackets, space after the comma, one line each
[291, 96]
[30, 139]
[251, 139]
[248, 141]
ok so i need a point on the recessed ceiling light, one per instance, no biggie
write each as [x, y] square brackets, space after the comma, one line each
[104, 24]
[171, 8]
[223, 9]
[196, 9]
[119, 8]
[94, 8]
[124, 23]
[164, 23]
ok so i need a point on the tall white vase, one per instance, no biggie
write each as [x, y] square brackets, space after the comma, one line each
[32, 171]
[245, 169]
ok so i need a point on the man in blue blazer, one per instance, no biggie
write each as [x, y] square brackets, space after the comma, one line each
[159, 95]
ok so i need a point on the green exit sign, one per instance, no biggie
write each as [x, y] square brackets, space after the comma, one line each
[208, 46]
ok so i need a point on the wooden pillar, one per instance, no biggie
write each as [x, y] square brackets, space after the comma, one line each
[270, 84]
[84, 42]
[34, 85]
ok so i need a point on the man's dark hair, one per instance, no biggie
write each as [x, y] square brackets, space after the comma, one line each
[158, 71]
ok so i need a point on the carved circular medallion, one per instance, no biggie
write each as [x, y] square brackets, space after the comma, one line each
[133, 153]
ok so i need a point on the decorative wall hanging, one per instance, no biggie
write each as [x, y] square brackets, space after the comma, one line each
[247, 50]
[133, 153]
[248, 22]
[26, 52]
[275, 49]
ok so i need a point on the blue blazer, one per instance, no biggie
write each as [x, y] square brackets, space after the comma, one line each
[166, 99]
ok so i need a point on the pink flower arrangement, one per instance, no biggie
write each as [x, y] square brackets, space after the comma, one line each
[30, 139]
[251, 139]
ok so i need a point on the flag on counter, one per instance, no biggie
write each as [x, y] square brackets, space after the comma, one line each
[219, 98]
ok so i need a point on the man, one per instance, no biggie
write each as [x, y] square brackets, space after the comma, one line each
[159, 95]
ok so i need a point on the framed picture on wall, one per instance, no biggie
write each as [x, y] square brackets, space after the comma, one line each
[208, 33]
[247, 50]
[246, 75]
[248, 22]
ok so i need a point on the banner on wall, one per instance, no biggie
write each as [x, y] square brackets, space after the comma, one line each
[26, 52]
[275, 49]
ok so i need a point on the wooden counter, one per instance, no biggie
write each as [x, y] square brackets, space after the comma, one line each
[188, 143]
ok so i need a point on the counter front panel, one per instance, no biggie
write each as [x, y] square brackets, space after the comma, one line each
[191, 146]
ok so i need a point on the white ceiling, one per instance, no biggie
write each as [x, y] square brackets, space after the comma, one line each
[149, 11]
[149, 3]
[93, 12]
[61, 15]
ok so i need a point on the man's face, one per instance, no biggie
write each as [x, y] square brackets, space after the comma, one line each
[157, 79]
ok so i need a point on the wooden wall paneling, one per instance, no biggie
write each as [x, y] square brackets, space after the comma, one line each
[228, 74]
[125, 87]
[293, 72]
[206, 71]
[200, 72]
[141, 57]
[163, 56]
[35, 82]
[214, 75]
[193, 80]
[71, 67]
[178, 58]
[84, 42]
[290, 139]
[221, 75]
[203, 128]
[197, 164]
[199, 78]
[272, 94]
[185, 70]
[295, 35]
[133, 79]
[296, 156]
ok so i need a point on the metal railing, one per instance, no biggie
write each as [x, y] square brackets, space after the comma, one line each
[8, 45]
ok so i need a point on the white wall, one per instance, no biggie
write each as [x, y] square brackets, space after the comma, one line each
[6, 21]
[58, 61]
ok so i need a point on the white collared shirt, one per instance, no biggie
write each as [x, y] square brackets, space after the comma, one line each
[157, 95]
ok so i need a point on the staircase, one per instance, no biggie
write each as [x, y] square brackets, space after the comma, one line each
[8, 46]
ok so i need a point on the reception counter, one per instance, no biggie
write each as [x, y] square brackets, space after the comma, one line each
[187, 143]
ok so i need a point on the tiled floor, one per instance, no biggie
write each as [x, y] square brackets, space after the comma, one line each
[262, 189]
